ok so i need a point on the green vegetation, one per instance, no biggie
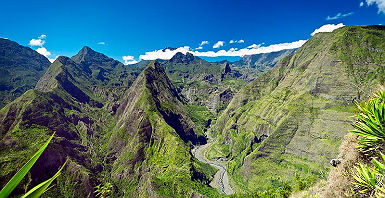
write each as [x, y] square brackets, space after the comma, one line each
[369, 127]
[38, 190]
[293, 117]
[201, 116]
[370, 122]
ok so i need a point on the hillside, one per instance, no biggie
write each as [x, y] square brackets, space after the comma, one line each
[20, 69]
[287, 124]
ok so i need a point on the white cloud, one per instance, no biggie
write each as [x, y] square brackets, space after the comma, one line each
[380, 5]
[164, 54]
[254, 46]
[43, 51]
[361, 4]
[129, 60]
[327, 28]
[101, 43]
[36, 42]
[237, 41]
[252, 49]
[338, 16]
[202, 43]
[218, 44]
[39, 42]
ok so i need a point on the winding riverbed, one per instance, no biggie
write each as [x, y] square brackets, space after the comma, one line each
[221, 180]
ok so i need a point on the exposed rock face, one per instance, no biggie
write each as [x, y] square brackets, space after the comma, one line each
[226, 68]
[20, 69]
[302, 105]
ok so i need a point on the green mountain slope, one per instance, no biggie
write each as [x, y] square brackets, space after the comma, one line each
[68, 99]
[138, 139]
[290, 120]
[20, 69]
[151, 141]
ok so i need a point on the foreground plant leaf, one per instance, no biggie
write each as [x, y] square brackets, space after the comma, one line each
[11, 185]
[38, 190]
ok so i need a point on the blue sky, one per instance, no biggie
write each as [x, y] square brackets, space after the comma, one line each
[132, 28]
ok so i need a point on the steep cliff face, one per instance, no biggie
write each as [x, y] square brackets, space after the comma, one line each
[20, 69]
[292, 118]
[151, 139]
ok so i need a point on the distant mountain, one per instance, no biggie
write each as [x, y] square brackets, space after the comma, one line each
[290, 121]
[263, 62]
[20, 69]
[201, 82]
[251, 66]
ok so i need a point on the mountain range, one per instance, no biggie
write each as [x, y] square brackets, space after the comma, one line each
[271, 120]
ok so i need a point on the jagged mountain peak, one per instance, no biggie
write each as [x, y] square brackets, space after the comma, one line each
[93, 59]
[226, 67]
[187, 58]
[87, 50]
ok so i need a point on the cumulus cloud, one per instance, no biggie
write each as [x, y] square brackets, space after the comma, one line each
[164, 54]
[36, 42]
[237, 41]
[252, 49]
[101, 43]
[129, 60]
[327, 28]
[39, 42]
[255, 46]
[361, 4]
[380, 5]
[218, 44]
[43, 51]
[338, 16]
[202, 43]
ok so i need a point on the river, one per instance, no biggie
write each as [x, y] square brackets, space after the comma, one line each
[221, 179]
